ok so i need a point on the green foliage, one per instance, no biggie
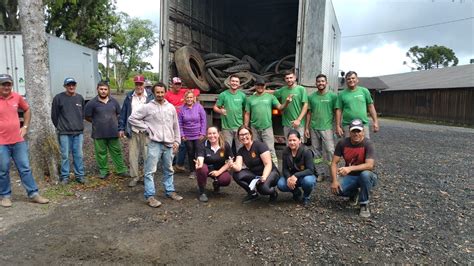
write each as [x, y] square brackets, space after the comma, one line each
[430, 57]
[85, 22]
[133, 39]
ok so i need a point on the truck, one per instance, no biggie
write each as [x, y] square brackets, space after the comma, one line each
[66, 59]
[270, 29]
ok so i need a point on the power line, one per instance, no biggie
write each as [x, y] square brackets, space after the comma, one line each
[412, 28]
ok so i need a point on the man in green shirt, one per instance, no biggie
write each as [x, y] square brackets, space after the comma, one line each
[230, 104]
[353, 103]
[320, 125]
[294, 115]
[258, 111]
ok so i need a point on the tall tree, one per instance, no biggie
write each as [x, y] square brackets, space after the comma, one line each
[42, 137]
[133, 39]
[86, 22]
[9, 15]
[430, 57]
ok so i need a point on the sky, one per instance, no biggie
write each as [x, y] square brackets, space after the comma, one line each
[381, 53]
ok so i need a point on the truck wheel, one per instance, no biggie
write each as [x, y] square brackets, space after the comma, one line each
[190, 67]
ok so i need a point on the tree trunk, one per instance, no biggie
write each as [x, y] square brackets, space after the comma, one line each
[44, 148]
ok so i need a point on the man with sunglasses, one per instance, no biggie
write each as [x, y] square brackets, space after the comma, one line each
[356, 178]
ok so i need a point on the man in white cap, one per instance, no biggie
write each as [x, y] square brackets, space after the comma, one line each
[137, 140]
[12, 144]
[356, 178]
[67, 113]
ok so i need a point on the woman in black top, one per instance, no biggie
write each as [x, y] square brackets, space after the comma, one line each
[212, 155]
[298, 169]
[256, 156]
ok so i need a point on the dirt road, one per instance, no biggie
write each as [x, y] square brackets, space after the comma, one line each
[420, 214]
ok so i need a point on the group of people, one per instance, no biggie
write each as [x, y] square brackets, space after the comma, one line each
[162, 126]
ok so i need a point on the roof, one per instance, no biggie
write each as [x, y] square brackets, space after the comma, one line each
[440, 78]
[373, 83]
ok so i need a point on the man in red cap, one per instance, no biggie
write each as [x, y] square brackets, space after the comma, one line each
[137, 140]
[176, 97]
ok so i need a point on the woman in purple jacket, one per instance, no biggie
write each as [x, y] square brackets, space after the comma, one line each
[192, 124]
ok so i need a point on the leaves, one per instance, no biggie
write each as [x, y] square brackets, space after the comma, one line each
[430, 57]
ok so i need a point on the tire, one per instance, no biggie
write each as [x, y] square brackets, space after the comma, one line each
[237, 68]
[219, 73]
[245, 79]
[269, 66]
[277, 67]
[190, 66]
[253, 63]
[211, 56]
[233, 57]
[223, 62]
[212, 84]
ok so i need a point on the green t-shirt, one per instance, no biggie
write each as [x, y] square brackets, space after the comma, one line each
[234, 105]
[354, 104]
[293, 110]
[322, 110]
[260, 109]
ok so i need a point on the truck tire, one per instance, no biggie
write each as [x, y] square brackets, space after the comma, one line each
[253, 63]
[212, 83]
[233, 57]
[269, 66]
[219, 73]
[211, 56]
[286, 58]
[245, 79]
[222, 62]
[190, 67]
[237, 68]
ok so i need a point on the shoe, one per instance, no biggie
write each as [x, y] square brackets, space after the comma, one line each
[64, 181]
[6, 202]
[175, 196]
[320, 178]
[38, 199]
[297, 194]
[273, 197]
[354, 199]
[250, 198]
[179, 169]
[81, 180]
[203, 197]
[216, 186]
[154, 203]
[133, 182]
[124, 175]
[192, 175]
[305, 202]
[364, 211]
[104, 177]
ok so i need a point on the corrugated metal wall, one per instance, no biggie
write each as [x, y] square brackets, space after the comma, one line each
[448, 105]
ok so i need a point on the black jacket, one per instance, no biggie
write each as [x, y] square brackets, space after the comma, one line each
[301, 165]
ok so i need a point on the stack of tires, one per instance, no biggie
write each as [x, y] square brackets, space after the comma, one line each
[211, 71]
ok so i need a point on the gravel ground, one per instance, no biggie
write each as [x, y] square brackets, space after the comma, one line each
[421, 210]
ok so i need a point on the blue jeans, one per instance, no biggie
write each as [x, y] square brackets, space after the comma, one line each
[72, 143]
[365, 181]
[307, 183]
[19, 153]
[158, 151]
[181, 156]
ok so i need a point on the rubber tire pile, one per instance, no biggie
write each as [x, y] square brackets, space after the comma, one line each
[210, 72]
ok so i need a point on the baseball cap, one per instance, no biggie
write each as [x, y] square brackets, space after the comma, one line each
[176, 80]
[139, 79]
[5, 78]
[356, 124]
[259, 81]
[69, 81]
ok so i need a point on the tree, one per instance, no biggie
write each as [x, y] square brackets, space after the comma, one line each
[86, 22]
[133, 38]
[42, 138]
[430, 57]
[9, 15]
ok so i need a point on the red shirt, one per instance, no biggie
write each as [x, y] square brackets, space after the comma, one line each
[177, 99]
[9, 120]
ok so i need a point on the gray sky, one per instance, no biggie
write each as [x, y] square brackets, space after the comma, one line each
[383, 53]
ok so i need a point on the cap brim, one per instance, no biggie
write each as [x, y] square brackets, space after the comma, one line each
[356, 127]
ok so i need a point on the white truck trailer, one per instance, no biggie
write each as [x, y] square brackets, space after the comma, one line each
[66, 59]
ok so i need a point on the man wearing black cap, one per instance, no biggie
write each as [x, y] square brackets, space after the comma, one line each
[355, 179]
[67, 113]
[258, 111]
[12, 144]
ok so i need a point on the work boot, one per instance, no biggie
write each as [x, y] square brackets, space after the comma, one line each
[81, 180]
[133, 182]
[174, 196]
[154, 203]
[6, 202]
[38, 199]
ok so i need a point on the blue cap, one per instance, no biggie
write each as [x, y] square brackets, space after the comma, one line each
[69, 81]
